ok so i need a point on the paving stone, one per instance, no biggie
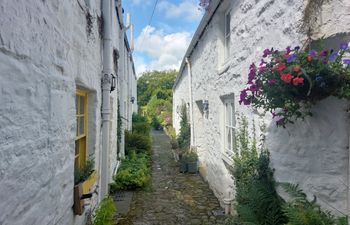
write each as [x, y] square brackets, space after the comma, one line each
[175, 198]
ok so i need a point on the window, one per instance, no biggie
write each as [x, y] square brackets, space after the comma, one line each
[81, 101]
[230, 123]
[227, 34]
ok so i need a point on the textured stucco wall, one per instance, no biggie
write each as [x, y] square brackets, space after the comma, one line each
[297, 152]
[47, 50]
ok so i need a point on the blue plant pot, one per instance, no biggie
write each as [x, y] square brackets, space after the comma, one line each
[192, 167]
[183, 167]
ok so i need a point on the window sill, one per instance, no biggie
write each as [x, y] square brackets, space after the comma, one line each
[227, 159]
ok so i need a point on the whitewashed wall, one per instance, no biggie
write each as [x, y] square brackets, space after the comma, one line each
[47, 50]
[313, 153]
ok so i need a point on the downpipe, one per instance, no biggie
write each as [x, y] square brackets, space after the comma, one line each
[189, 70]
[107, 75]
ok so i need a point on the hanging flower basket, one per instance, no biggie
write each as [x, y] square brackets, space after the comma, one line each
[287, 83]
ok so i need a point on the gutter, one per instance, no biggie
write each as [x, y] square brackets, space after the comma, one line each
[208, 16]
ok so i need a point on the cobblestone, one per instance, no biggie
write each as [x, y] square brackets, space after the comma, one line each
[174, 198]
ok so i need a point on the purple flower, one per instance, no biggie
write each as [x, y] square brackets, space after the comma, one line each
[262, 62]
[313, 53]
[280, 122]
[243, 98]
[318, 78]
[333, 56]
[271, 82]
[292, 58]
[288, 50]
[296, 48]
[324, 53]
[346, 61]
[262, 69]
[343, 46]
[253, 88]
[266, 53]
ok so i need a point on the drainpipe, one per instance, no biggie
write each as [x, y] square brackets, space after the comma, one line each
[189, 70]
[107, 74]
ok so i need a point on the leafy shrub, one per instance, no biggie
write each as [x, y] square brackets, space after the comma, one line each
[190, 156]
[257, 201]
[184, 137]
[82, 174]
[156, 123]
[136, 118]
[140, 143]
[105, 212]
[133, 173]
[174, 144]
[301, 211]
[170, 131]
[141, 128]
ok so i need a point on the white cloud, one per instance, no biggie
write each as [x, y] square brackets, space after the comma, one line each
[165, 50]
[187, 9]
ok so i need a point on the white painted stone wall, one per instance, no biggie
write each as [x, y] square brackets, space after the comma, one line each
[46, 52]
[313, 153]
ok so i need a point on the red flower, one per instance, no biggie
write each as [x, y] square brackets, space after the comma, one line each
[309, 58]
[287, 77]
[279, 67]
[298, 80]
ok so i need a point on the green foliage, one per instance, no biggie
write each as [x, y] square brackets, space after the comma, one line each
[155, 83]
[257, 201]
[82, 174]
[133, 173]
[140, 143]
[301, 211]
[184, 137]
[105, 212]
[155, 96]
[190, 156]
[140, 125]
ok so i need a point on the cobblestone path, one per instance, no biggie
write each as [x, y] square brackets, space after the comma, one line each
[175, 198]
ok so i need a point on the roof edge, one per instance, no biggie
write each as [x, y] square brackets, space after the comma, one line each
[214, 5]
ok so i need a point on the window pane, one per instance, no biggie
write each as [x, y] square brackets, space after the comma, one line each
[77, 148]
[81, 125]
[77, 133]
[233, 115]
[227, 25]
[229, 143]
[76, 104]
[82, 104]
[228, 115]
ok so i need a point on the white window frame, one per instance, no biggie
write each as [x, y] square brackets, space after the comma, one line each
[229, 125]
[227, 35]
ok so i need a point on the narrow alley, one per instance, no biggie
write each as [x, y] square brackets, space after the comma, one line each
[174, 198]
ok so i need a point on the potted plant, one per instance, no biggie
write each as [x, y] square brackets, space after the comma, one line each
[287, 83]
[84, 178]
[191, 159]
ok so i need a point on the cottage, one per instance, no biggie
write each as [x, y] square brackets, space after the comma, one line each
[60, 62]
[233, 34]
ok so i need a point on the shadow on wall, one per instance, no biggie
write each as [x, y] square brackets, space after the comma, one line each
[314, 153]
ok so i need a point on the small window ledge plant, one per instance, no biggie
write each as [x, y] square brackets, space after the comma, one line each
[287, 83]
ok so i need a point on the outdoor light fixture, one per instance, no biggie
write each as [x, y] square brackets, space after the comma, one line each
[205, 106]
[113, 83]
[132, 99]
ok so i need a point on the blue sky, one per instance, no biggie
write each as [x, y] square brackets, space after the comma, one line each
[163, 44]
